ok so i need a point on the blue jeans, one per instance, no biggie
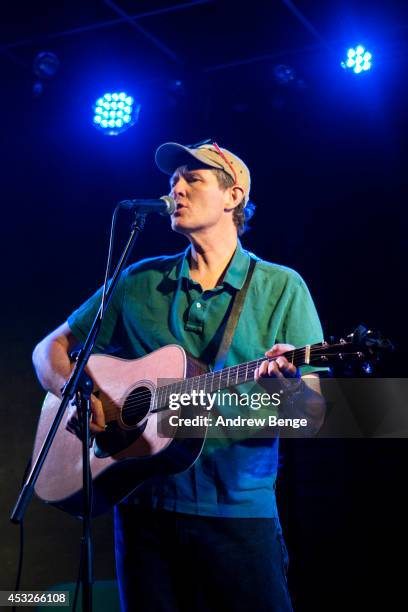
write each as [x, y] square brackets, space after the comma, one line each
[171, 562]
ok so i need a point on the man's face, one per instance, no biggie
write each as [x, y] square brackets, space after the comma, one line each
[201, 202]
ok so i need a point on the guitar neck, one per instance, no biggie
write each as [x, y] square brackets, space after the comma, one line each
[210, 382]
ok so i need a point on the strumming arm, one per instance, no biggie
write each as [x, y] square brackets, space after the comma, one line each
[51, 358]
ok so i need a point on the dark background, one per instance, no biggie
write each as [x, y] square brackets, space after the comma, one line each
[328, 156]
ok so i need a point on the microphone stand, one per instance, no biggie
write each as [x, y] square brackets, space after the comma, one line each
[80, 386]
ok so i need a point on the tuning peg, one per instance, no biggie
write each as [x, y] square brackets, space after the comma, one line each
[359, 335]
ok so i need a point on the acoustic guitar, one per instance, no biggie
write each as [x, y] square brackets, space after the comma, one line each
[133, 397]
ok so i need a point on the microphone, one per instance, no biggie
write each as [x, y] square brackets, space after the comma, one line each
[164, 205]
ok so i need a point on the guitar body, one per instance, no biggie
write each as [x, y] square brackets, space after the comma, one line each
[130, 451]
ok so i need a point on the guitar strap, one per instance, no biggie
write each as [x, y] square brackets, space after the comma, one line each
[237, 305]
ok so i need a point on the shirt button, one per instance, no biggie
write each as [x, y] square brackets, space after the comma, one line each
[198, 305]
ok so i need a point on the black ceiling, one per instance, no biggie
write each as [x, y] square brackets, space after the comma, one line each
[208, 59]
[159, 39]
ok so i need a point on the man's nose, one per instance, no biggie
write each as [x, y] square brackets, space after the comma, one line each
[179, 188]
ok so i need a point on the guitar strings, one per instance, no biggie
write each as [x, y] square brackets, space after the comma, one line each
[186, 382]
[133, 406]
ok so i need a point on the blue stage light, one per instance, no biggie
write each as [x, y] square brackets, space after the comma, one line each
[115, 112]
[358, 60]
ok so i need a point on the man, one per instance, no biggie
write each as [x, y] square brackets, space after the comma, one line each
[209, 536]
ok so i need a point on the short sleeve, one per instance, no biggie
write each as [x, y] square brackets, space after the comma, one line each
[301, 324]
[109, 338]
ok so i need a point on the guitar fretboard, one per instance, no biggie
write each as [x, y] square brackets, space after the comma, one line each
[211, 382]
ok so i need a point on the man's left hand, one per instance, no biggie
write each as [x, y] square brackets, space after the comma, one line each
[279, 367]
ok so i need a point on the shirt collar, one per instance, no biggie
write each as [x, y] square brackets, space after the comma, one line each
[235, 275]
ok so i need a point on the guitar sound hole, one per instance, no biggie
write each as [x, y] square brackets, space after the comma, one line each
[136, 406]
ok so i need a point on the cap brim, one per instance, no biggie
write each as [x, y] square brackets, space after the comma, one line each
[171, 155]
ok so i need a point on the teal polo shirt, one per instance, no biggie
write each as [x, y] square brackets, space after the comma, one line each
[157, 303]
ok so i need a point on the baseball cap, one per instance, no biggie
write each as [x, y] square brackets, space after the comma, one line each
[171, 155]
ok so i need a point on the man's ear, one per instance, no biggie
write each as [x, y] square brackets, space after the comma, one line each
[237, 195]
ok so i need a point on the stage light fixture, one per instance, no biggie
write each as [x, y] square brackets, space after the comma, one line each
[115, 112]
[358, 60]
[283, 74]
[46, 65]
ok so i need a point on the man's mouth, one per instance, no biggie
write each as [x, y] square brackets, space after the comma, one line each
[179, 208]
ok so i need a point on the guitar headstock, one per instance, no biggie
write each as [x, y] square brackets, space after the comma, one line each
[363, 348]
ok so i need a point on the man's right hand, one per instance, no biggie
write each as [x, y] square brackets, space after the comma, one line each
[53, 367]
[96, 423]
